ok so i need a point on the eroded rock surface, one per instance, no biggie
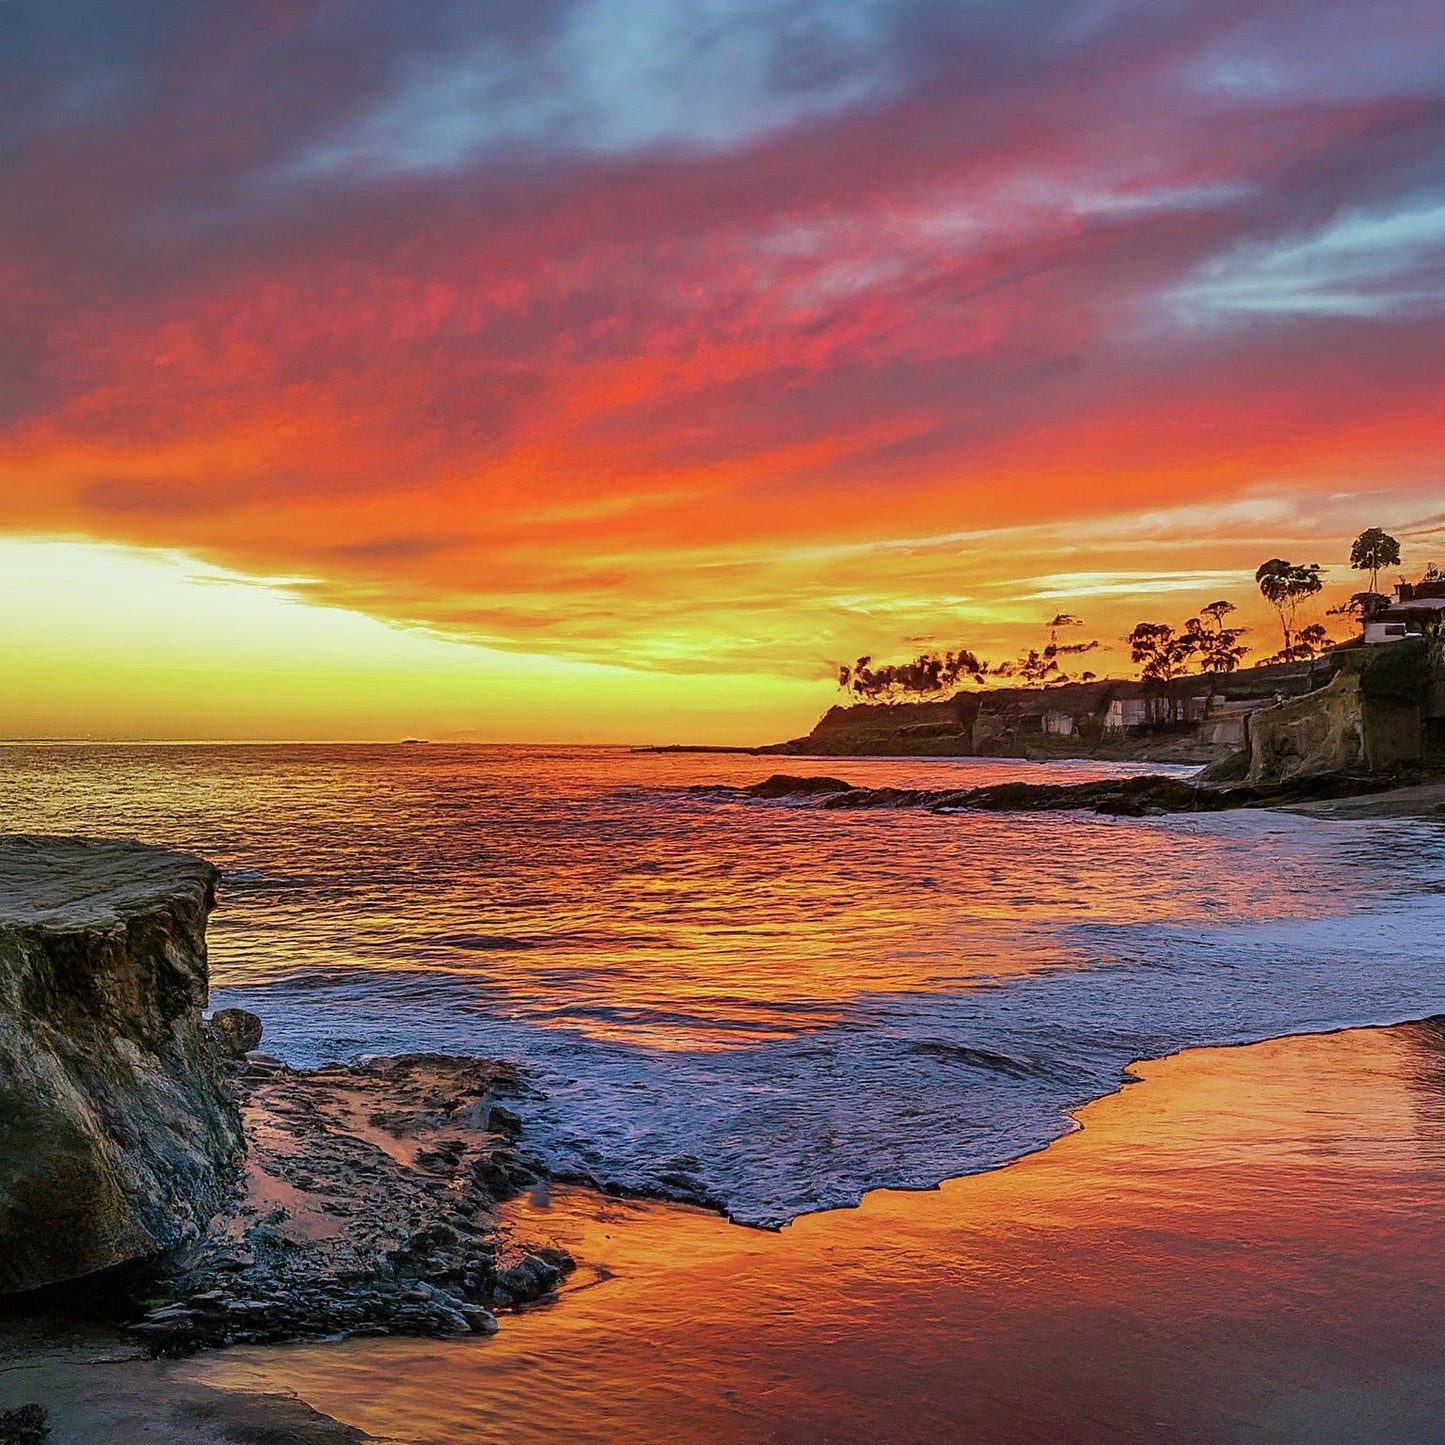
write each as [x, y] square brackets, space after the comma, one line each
[367, 1207]
[118, 1135]
[1135, 797]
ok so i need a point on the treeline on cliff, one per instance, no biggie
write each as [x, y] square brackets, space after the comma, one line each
[1161, 652]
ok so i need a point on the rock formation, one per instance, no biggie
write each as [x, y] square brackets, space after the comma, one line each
[1380, 711]
[369, 1205]
[118, 1135]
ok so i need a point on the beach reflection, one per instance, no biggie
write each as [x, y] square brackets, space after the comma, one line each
[1247, 1246]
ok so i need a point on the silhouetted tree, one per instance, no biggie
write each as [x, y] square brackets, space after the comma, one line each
[1040, 667]
[1308, 642]
[1285, 585]
[1217, 647]
[926, 675]
[1161, 653]
[1372, 550]
[1362, 606]
[1035, 668]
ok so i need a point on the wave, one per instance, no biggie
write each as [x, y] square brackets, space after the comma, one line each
[901, 1090]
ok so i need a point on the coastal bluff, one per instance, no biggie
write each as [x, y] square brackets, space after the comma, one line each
[1354, 711]
[118, 1134]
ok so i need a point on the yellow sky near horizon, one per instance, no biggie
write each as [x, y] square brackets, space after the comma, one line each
[104, 641]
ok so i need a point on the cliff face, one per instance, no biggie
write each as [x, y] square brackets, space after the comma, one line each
[926, 729]
[117, 1131]
[1063, 721]
[1375, 714]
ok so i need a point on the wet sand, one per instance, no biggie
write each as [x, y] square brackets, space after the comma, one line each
[1247, 1246]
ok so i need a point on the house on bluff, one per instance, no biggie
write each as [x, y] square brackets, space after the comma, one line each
[1417, 609]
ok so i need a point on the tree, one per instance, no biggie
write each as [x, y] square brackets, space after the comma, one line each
[1217, 647]
[1363, 606]
[1311, 641]
[924, 676]
[1161, 653]
[1285, 586]
[1035, 668]
[1056, 648]
[1308, 642]
[1372, 550]
[1040, 667]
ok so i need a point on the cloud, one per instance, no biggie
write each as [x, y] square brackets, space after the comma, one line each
[1358, 265]
[615, 76]
[718, 335]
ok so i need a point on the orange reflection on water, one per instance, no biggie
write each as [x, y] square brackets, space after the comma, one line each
[586, 890]
[1245, 1246]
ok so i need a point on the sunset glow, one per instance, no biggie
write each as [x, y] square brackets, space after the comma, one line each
[611, 371]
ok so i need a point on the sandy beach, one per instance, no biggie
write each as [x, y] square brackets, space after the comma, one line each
[1243, 1247]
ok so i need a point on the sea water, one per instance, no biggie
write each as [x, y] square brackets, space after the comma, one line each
[769, 1005]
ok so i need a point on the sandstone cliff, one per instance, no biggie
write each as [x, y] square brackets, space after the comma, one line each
[1379, 712]
[117, 1131]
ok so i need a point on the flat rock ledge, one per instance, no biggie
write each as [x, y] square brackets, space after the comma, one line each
[118, 1134]
[1146, 795]
[367, 1207]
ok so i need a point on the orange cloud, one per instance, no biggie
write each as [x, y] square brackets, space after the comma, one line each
[846, 371]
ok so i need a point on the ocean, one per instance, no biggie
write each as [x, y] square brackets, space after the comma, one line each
[765, 1005]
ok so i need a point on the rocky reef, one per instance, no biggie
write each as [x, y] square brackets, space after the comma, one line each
[368, 1207]
[1133, 797]
[118, 1134]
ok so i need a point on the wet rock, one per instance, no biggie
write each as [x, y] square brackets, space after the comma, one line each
[503, 1121]
[786, 785]
[234, 1032]
[118, 1134]
[481, 1321]
[532, 1277]
[26, 1426]
[394, 1231]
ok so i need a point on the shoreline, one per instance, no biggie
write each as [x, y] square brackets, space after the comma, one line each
[168, 1389]
[547, 1211]
[661, 1262]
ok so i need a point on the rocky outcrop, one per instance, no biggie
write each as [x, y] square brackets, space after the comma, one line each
[1371, 718]
[118, 1135]
[368, 1207]
[1135, 797]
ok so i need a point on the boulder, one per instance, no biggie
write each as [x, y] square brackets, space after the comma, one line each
[118, 1134]
[234, 1032]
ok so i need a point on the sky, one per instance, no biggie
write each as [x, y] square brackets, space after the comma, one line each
[610, 370]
